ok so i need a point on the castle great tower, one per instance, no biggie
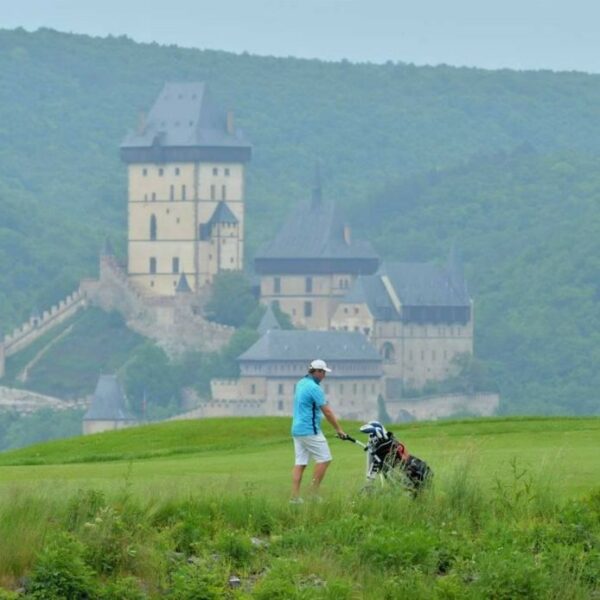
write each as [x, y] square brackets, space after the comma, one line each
[186, 164]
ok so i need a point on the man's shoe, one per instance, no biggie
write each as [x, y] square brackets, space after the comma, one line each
[297, 500]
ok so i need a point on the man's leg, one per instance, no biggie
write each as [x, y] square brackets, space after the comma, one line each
[297, 473]
[320, 470]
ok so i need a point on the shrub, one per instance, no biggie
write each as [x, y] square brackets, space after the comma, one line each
[127, 588]
[60, 572]
[196, 582]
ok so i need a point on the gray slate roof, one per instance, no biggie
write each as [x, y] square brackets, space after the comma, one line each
[369, 290]
[108, 402]
[182, 285]
[315, 230]
[184, 115]
[415, 284]
[268, 322]
[307, 345]
[222, 214]
[426, 284]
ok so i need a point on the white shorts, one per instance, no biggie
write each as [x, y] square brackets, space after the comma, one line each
[311, 445]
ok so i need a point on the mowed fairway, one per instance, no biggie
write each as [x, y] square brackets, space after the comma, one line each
[185, 458]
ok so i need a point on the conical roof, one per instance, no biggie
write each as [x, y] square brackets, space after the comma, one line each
[268, 322]
[183, 287]
[108, 402]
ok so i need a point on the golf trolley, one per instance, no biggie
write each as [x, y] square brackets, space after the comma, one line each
[389, 460]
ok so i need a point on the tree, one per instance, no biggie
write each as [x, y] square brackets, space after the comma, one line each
[232, 300]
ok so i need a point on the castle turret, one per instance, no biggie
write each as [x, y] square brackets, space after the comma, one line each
[186, 164]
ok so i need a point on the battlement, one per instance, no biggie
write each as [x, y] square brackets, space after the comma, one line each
[38, 325]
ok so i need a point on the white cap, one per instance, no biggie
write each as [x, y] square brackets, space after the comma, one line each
[320, 365]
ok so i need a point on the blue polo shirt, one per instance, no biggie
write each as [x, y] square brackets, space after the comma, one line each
[308, 400]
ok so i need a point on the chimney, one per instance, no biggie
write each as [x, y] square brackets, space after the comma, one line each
[347, 235]
[141, 126]
[230, 123]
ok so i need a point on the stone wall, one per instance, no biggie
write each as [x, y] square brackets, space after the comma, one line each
[440, 407]
[26, 402]
[174, 322]
[31, 330]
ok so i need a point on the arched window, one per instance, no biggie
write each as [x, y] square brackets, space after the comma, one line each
[388, 353]
[153, 227]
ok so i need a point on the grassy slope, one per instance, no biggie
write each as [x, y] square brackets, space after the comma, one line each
[98, 342]
[178, 457]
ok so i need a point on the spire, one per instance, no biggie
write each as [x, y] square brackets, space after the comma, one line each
[269, 321]
[317, 192]
[182, 285]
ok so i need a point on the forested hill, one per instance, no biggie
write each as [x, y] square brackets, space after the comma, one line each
[387, 135]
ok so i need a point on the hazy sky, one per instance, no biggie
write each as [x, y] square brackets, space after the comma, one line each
[520, 34]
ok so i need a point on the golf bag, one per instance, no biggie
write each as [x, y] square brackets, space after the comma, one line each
[387, 457]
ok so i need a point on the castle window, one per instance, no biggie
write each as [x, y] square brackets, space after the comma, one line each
[146, 197]
[341, 388]
[280, 388]
[308, 309]
[367, 330]
[175, 264]
[215, 171]
[212, 192]
[224, 192]
[153, 227]
[178, 220]
[388, 353]
[226, 172]
[152, 266]
[172, 193]
[161, 172]
[152, 284]
[253, 389]
[144, 172]
[177, 171]
[280, 405]
[422, 354]
[183, 192]
[308, 285]
[153, 196]
[231, 260]
[356, 310]
[276, 285]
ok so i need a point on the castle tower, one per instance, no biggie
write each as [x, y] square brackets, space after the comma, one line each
[312, 262]
[186, 166]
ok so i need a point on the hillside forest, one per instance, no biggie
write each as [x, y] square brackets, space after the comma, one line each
[503, 165]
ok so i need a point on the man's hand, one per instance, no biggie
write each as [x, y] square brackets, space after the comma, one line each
[342, 435]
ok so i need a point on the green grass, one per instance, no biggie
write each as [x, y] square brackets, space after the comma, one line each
[173, 510]
[188, 455]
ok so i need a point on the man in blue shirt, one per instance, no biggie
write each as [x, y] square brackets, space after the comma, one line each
[309, 407]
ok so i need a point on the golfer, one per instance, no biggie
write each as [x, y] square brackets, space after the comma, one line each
[309, 407]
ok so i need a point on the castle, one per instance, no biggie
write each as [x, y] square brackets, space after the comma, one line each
[386, 327]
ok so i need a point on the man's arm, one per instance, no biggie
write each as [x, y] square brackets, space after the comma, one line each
[330, 416]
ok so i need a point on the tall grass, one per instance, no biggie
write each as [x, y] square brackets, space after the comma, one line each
[456, 540]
